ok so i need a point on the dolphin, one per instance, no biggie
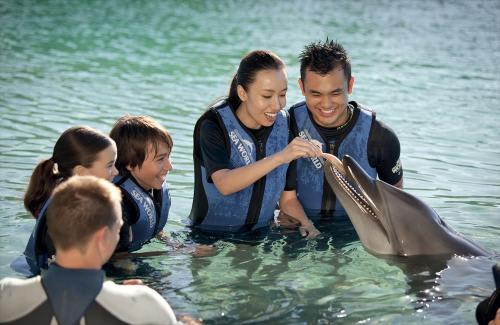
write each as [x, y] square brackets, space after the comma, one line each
[388, 220]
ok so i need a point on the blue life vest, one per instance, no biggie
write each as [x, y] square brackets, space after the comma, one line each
[231, 213]
[150, 221]
[310, 174]
[36, 255]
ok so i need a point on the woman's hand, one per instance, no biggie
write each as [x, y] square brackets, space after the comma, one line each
[298, 148]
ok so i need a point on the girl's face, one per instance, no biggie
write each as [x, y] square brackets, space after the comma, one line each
[103, 166]
[263, 99]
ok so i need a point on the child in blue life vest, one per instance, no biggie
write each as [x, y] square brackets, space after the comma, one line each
[80, 150]
[143, 162]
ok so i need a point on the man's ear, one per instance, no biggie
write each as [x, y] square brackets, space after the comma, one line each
[242, 94]
[100, 235]
[350, 85]
[98, 242]
[301, 86]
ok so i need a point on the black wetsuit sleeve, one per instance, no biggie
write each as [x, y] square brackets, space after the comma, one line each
[293, 125]
[214, 153]
[291, 173]
[383, 153]
[291, 177]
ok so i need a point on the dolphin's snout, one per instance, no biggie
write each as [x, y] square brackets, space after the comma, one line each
[335, 162]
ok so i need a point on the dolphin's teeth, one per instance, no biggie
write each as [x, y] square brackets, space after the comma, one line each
[353, 193]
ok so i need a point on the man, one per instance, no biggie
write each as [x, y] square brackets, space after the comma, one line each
[339, 127]
[84, 220]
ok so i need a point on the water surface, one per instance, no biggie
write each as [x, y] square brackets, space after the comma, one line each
[430, 69]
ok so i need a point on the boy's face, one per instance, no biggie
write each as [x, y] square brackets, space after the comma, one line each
[154, 169]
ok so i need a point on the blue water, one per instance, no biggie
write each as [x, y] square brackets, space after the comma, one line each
[430, 69]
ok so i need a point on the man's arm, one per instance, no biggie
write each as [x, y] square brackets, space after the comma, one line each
[384, 154]
[290, 205]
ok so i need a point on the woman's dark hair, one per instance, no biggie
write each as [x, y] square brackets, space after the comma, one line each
[78, 145]
[250, 65]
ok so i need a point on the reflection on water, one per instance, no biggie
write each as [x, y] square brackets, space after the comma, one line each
[430, 70]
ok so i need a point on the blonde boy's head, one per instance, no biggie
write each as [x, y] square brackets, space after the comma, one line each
[79, 207]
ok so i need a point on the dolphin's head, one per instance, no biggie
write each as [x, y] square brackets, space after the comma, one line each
[388, 220]
[357, 193]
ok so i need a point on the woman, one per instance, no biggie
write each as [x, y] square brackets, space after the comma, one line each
[242, 152]
[80, 150]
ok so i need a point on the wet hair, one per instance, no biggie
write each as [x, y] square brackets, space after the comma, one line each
[134, 136]
[78, 145]
[322, 58]
[79, 207]
[250, 65]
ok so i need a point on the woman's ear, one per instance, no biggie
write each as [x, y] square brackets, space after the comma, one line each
[79, 170]
[242, 94]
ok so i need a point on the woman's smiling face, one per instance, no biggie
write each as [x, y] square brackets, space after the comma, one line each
[263, 99]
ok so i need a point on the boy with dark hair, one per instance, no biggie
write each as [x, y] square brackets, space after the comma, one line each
[339, 126]
[83, 219]
[143, 162]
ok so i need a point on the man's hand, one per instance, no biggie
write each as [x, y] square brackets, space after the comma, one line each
[308, 230]
[133, 282]
[188, 320]
[286, 221]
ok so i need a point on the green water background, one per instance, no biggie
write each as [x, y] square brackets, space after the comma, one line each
[430, 69]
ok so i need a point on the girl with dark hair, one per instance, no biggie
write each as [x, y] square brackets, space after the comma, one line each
[242, 152]
[80, 150]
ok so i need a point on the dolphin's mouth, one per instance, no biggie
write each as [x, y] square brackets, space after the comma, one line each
[361, 201]
[337, 172]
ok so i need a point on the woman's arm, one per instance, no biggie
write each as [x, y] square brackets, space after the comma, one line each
[229, 181]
